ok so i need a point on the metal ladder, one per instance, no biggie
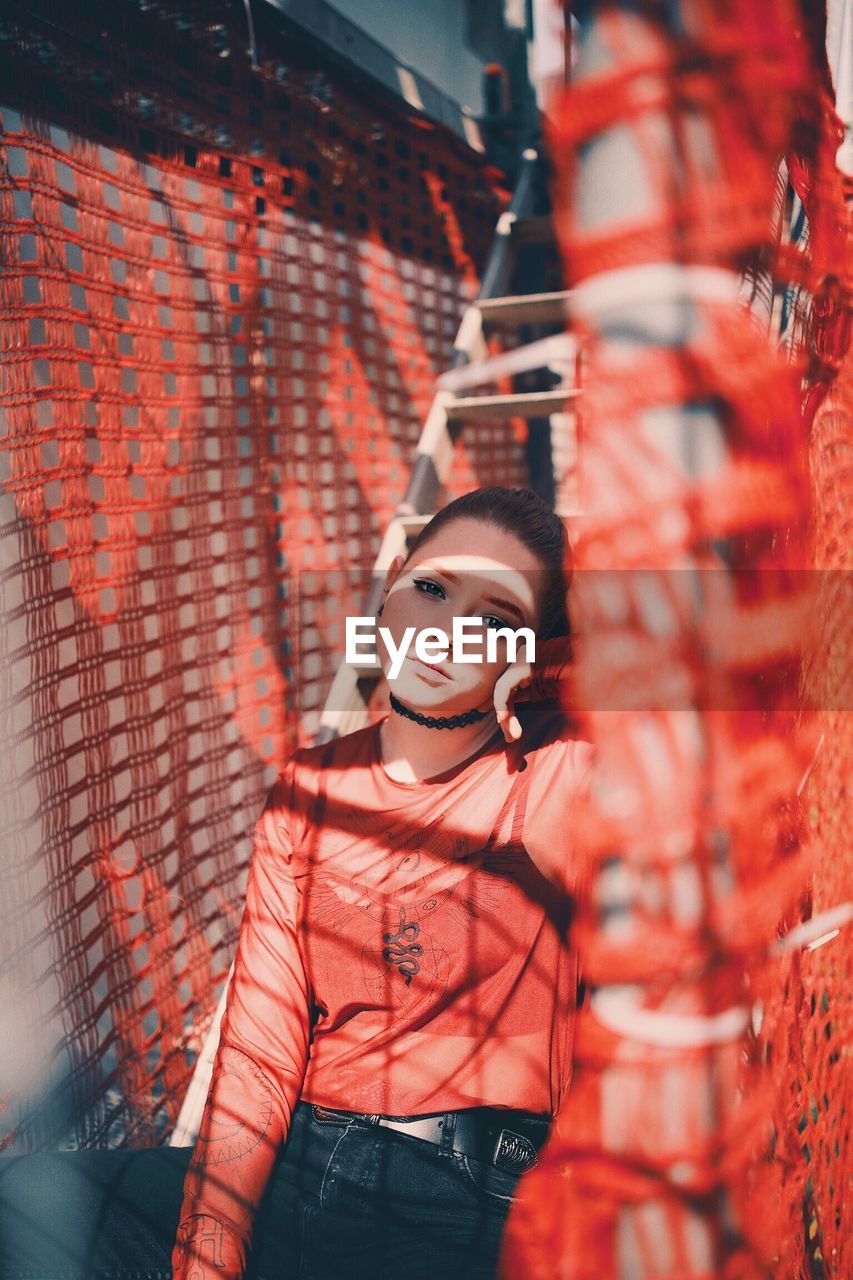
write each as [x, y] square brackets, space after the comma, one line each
[346, 706]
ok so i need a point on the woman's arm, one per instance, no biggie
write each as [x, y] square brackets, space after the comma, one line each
[551, 672]
[260, 1062]
[558, 786]
[548, 679]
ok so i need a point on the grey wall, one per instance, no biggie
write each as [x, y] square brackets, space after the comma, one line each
[431, 37]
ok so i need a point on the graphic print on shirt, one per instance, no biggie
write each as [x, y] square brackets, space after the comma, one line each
[404, 947]
[385, 908]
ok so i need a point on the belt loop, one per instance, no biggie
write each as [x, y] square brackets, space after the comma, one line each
[448, 1132]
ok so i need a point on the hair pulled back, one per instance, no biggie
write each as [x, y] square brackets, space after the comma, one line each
[525, 515]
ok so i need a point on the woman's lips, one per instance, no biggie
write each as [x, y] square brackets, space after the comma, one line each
[429, 666]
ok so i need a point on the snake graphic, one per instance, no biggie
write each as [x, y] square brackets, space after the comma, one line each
[404, 948]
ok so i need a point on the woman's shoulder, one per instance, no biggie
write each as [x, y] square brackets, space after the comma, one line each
[310, 768]
[307, 777]
[554, 747]
[548, 725]
[341, 751]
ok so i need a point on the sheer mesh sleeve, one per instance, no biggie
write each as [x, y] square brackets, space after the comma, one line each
[260, 1062]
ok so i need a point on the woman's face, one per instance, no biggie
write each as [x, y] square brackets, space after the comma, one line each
[468, 569]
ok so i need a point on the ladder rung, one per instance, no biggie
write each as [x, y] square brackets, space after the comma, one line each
[560, 348]
[364, 670]
[399, 532]
[412, 524]
[526, 404]
[532, 308]
[535, 230]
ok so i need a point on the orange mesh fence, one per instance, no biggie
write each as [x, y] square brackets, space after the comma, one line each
[226, 294]
[707, 1129]
[811, 1044]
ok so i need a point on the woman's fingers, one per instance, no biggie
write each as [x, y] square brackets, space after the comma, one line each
[508, 685]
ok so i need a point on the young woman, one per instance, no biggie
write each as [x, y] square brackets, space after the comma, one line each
[398, 1030]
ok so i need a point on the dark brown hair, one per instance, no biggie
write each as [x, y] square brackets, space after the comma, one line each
[525, 515]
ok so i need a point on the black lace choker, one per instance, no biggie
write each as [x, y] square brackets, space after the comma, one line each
[437, 722]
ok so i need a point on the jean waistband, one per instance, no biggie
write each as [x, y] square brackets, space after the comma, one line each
[507, 1139]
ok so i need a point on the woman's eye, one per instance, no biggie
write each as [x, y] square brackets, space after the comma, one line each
[429, 588]
[491, 620]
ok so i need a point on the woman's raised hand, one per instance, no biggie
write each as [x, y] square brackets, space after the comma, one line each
[509, 689]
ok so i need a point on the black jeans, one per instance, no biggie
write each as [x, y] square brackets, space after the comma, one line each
[346, 1201]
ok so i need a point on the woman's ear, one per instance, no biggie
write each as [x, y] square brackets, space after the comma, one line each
[392, 572]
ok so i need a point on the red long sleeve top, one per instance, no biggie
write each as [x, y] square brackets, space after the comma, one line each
[402, 951]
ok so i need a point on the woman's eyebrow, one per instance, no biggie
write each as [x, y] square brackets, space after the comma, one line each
[498, 600]
[505, 604]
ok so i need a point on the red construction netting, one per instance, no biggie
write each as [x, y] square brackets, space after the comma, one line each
[226, 294]
[707, 1131]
